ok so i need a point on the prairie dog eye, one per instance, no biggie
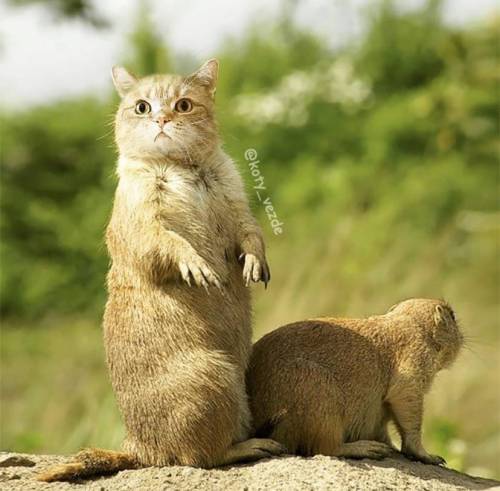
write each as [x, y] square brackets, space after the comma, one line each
[142, 107]
[183, 105]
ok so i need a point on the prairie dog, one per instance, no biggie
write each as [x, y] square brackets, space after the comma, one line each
[330, 386]
[184, 248]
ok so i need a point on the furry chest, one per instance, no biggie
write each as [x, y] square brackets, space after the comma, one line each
[187, 200]
[194, 203]
[191, 187]
[175, 188]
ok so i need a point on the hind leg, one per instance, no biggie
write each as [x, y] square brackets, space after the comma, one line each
[364, 449]
[251, 450]
[199, 417]
[305, 434]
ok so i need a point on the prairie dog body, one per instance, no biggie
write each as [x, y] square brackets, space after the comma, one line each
[177, 352]
[184, 248]
[330, 386]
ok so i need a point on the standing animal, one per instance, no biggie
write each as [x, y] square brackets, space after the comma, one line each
[330, 386]
[184, 248]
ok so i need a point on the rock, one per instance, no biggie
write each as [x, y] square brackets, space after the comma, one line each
[288, 473]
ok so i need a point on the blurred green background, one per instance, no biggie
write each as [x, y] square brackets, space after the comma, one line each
[380, 158]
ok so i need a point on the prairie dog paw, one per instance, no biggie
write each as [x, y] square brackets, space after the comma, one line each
[255, 270]
[426, 458]
[267, 445]
[365, 449]
[253, 449]
[377, 450]
[194, 267]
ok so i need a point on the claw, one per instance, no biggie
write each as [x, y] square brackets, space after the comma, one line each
[256, 272]
[426, 459]
[266, 275]
[185, 273]
[439, 460]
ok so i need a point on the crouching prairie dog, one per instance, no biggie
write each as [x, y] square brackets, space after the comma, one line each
[331, 386]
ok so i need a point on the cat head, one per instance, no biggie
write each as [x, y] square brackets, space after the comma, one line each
[166, 116]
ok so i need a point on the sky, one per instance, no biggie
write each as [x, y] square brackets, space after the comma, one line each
[42, 59]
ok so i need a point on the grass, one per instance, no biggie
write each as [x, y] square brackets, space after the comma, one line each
[56, 396]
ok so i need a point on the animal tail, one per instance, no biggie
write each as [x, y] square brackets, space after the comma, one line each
[90, 462]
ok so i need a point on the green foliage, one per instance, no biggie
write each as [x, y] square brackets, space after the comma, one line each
[403, 51]
[146, 51]
[264, 55]
[67, 9]
[57, 190]
[71, 403]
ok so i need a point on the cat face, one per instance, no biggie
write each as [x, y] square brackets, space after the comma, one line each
[166, 116]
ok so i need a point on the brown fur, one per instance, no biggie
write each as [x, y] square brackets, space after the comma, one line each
[330, 386]
[177, 352]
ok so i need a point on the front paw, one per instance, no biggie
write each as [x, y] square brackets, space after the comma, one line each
[255, 269]
[194, 267]
[426, 458]
[374, 450]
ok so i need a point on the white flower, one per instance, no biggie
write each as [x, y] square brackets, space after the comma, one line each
[289, 102]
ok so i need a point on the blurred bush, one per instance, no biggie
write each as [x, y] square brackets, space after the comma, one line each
[56, 195]
[381, 160]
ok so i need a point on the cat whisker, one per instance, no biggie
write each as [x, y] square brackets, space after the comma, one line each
[198, 121]
[106, 135]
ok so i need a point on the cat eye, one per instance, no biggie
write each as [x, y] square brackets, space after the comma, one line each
[142, 107]
[183, 105]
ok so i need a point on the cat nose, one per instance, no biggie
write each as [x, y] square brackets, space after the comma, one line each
[162, 120]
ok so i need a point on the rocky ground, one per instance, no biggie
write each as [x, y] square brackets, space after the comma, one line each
[18, 472]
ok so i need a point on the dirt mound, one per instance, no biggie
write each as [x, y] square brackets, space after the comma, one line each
[282, 473]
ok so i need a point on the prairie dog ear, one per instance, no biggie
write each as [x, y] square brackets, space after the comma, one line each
[443, 322]
[392, 307]
[207, 75]
[443, 316]
[123, 80]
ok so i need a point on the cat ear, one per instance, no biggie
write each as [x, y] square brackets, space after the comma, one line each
[123, 79]
[206, 75]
